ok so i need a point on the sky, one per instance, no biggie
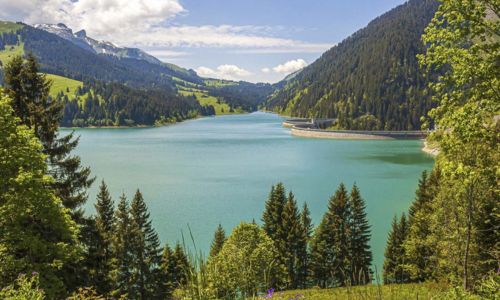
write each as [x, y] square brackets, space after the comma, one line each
[251, 40]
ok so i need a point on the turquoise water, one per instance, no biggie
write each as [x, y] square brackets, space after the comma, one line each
[219, 170]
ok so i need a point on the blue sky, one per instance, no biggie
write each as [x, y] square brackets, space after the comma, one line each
[258, 40]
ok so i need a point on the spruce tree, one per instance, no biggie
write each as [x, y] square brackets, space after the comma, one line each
[145, 250]
[218, 241]
[307, 228]
[182, 266]
[29, 90]
[394, 270]
[359, 239]
[295, 243]
[104, 223]
[419, 246]
[330, 265]
[307, 225]
[272, 217]
[167, 282]
[122, 262]
[273, 223]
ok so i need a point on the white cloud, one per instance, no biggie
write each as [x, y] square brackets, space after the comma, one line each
[144, 23]
[101, 18]
[266, 70]
[289, 66]
[230, 72]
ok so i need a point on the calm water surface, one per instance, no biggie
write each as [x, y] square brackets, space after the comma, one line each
[220, 170]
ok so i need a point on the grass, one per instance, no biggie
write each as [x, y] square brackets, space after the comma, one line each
[203, 98]
[218, 82]
[11, 51]
[386, 292]
[9, 27]
[62, 84]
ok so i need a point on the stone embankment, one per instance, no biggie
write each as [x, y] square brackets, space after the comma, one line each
[309, 129]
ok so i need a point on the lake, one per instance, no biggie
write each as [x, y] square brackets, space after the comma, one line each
[207, 171]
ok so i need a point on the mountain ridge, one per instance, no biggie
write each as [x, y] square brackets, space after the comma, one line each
[371, 80]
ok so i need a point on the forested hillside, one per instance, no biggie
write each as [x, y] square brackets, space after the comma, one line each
[124, 91]
[371, 80]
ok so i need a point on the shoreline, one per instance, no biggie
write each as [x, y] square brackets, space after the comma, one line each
[151, 126]
[301, 127]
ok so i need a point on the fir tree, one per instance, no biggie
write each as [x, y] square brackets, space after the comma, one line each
[167, 281]
[330, 265]
[29, 90]
[182, 266]
[218, 241]
[307, 228]
[295, 243]
[145, 249]
[122, 261]
[418, 245]
[104, 223]
[394, 269]
[273, 223]
[272, 217]
[359, 239]
[307, 225]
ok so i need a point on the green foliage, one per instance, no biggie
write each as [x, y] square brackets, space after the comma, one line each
[295, 245]
[24, 288]
[329, 246]
[104, 223]
[36, 232]
[464, 42]
[419, 245]
[359, 240]
[29, 90]
[371, 80]
[145, 251]
[122, 261]
[394, 268]
[218, 241]
[245, 265]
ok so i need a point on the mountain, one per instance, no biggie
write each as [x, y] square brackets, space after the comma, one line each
[371, 80]
[81, 40]
[117, 85]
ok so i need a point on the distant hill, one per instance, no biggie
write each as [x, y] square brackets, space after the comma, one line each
[177, 93]
[371, 80]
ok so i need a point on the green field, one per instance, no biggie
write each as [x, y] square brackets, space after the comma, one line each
[11, 51]
[9, 26]
[62, 84]
[386, 292]
[204, 99]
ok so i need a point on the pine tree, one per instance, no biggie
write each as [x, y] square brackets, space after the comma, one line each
[218, 241]
[330, 265]
[29, 90]
[104, 223]
[394, 269]
[145, 249]
[122, 261]
[359, 239]
[295, 243]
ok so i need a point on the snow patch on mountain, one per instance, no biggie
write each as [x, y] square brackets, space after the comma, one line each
[81, 40]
